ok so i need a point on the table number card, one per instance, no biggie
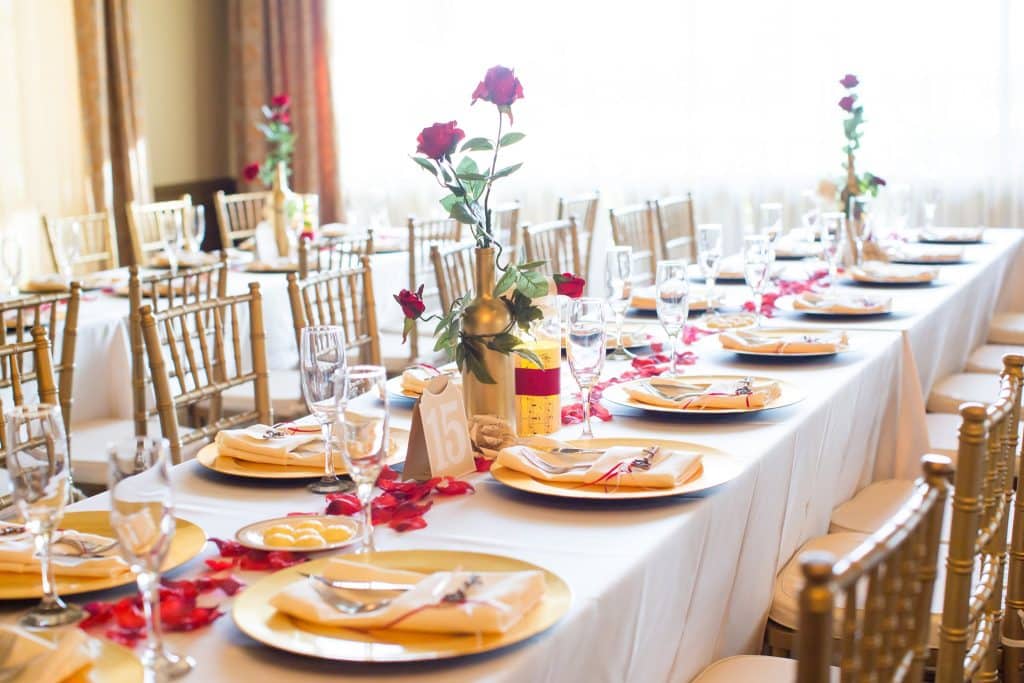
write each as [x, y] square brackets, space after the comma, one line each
[439, 442]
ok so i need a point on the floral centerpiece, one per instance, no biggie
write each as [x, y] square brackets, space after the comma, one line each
[866, 183]
[277, 129]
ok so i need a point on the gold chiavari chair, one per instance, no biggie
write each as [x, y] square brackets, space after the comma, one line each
[422, 234]
[453, 269]
[144, 221]
[505, 223]
[199, 348]
[584, 208]
[1013, 623]
[676, 227]
[238, 215]
[633, 226]
[325, 254]
[97, 241]
[556, 242]
[889, 576]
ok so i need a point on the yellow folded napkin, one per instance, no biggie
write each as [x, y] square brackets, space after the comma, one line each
[17, 555]
[47, 284]
[668, 468]
[951, 234]
[275, 266]
[646, 299]
[744, 340]
[731, 267]
[415, 378]
[494, 602]
[927, 253]
[880, 271]
[284, 447]
[809, 301]
[185, 259]
[717, 396]
[45, 661]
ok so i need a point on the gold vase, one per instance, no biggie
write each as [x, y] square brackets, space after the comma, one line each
[280, 195]
[486, 314]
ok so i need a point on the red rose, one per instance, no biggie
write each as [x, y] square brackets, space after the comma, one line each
[439, 140]
[411, 302]
[500, 86]
[878, 182]
[281, 100]
[283, 117]
[847, 103]
[569, 285]
[251, 172]
[849, 81]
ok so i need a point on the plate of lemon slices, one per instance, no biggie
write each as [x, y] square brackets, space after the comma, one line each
[301, 533]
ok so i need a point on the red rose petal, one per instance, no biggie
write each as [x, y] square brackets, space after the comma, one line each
[482, 464]
[448, 486]
[229, 548]
[347, 505]
[410, 524]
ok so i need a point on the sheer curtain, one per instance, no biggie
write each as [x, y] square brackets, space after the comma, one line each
[734, 100]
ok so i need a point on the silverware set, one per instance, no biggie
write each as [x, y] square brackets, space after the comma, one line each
[82, 549]
[644, 462]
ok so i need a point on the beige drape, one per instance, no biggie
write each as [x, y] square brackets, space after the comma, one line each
[280, 46]
[112, 109]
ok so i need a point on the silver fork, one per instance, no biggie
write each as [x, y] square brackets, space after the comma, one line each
[675, 398]
[344, 605]
[82, 548]
[359, 585]
[554, 469]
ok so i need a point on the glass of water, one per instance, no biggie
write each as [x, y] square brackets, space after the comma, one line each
[585, 349]
[709, 257]
[321, 356]
[930, 206]
[673, 297]
[769, 220]
[899, 209]
[618, 276]
[69, 247]
[758, 258]
[858, 220]
[170, 233]
[833, 235]
[197, 229]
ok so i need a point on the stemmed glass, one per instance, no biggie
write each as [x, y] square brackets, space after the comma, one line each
[585, 349]
[859, 221]
[709, 256]
[197, 229]
[899, 209]
[170, 233]
[361, 402]
[37, 460]
[833, 234]
[769, 220]
[673, 295]
[69, 242]
[929, 206]
[321, 356]
[142, 516]
[758, 258]
[810, 218]
[10, 246]
[618, 277]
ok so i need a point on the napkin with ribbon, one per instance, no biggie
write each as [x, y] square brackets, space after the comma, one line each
[745, 340]
[880, 271]
[415, 378]
[951, 234]
[668, 468]
[18, 555]
[926, 253]
[280, 445]
[678, 393]
[646, 299]
[45, 661]
[442, 602]
[811, 301]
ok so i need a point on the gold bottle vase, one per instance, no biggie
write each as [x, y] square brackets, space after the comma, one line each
[486, 314]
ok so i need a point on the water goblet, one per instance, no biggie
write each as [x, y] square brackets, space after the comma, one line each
[858, 221]
[899, 210]
[69, 243]
[618, 277]
[672, 296]
[758, 258]
[321, 356]
[170, 233]
[709, 257]
[833, 235]
[769, 221]
[585, 349]
[197, 229]
[929, 206]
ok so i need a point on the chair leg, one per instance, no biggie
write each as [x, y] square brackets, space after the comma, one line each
[779, 640]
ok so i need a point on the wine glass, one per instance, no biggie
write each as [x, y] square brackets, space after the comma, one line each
[858, 219]
[361, 403]
[673, 295]
[709, 256]
[170, 233]
[758, 258]
[833, 235]
[810, 219]
[321, 356]
[899, 209]
[769, 220]
[37, 461]
[197, 229]
[618, 276]
[69, 247]
[930, 205]
[142, 516]
[13, 262]
[585, 349]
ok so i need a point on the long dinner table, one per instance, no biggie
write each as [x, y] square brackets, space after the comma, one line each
[659, 588]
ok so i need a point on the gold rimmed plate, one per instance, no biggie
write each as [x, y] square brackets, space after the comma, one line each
[188, 541]
[256, 535]
[716, 468]
[209, 458]
[255, 617]
[787, 303]
[111, 663]
[789, 394]
[893, 274]
[783, 332]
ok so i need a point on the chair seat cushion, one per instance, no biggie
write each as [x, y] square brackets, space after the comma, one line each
[867, 511]
[1007, 328]
[950, 392]
[988, 358]
[943, 433]
[285, 396]
[750, 668]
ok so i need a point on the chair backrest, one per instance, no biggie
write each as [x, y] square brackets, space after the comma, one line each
[633, 226]
[973, 602]
[676, 227]
[886, 583]
[556, 242]
[421, 235]
[584, 208]
[196, 352]
[238, 215]
[505, 222]
[163, 291]
[339, 297]
[97, 239]
[453, 269]
[325, 254]
[144, 222]
[1013, 626]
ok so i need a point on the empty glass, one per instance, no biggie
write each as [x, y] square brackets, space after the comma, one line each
[833, 235]
[899, 209]
[12, 255]
[142, 516]
[585, 349]
[858, 220]
[37, 461]
[929, 206]
[810, 219]
[758, 258]
[197, 229]
[769, 220]
[321, 356]
[362, 409]
[170, 233]
[709, 257]
[69, 247]
[618, 276]
[673, 302]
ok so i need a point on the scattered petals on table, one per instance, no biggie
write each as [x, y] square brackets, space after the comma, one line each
[234, 554]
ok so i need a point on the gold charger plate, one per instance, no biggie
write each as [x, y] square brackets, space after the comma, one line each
[790, 394]
[782, 332]
[787, 303]
[189, 540]
[210, 459]
[112, 663]
[255, 617]
[716, 468]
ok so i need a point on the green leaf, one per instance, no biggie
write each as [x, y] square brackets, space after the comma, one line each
[407, 328]
[446, 175]
[448, 202]
[477, 145]
[508, 170]
[530, 356]
[533, 284]
[505, 281]
[511, 139]
[503, 343]
[471, 176]
[467, 165]
[462, 214]
[425, 164]
[532, 265]
[474, 358]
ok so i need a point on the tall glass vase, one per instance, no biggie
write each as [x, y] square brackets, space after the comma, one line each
[487, 314]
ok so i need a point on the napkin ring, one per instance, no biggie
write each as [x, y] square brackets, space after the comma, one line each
[459, 596]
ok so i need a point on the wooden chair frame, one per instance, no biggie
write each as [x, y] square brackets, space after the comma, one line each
[584, 208]
[556, 242]
[677, 229]
[1013, 628]
[99, 241]
[333, 253]
[454, 271]
[633, 226]
[422, 234]
[144, 226]
[505, 221]
[238, 215]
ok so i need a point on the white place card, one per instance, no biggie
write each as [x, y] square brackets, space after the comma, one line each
[439, 443]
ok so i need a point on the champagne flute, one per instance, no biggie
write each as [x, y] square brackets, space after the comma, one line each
[858, 219]
[321, 356]
[13, 260]
[37, 460]
[673, 294]
[361, 404]
[769, 221]
[618, 276]
[69, 240]
[758, 258]
[899, 209]
[585, 349]
[833, 234]
[709, 256]
[929, 206]
[142, 516]
[170, 233]
[197, 229]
